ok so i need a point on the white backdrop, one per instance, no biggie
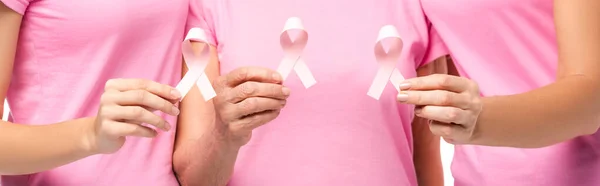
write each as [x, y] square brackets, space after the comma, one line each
[447, 153]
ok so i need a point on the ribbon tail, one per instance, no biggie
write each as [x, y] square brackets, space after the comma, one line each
[396, 79]
[208, 92]
[286, 66]
[187, 82]
[379, 83]
[304, 73]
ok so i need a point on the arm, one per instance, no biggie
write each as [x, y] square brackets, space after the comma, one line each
[427, 158]
[125, 104]
[32, 148]
[211, 133]
[565, 109]
[201, 156]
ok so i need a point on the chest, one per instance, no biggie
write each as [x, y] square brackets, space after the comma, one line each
[81, 21]
[341, 36]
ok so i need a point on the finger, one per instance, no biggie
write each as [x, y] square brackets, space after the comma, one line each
[158, 89]
[444, 114]
[256, 89]
[445, 130]
[434, 97]
[141, 98]
[253, 121]
[437, 82]
[137, 114]
[253, 105]
[122, 129]
[241, 75]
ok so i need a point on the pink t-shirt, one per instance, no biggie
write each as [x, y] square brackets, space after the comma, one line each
[331, 133]
[66, 52]
[509, 47]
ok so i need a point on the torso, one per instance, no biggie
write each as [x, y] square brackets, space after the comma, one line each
[331, 133]
[67, 50]
[509, 47]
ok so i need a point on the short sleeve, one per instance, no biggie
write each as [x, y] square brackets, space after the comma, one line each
[18, 6]
[201, 16]
[435, 47]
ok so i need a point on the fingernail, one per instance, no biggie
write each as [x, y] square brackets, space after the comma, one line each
[175, 94]
[418, 111]
[277, 77]
[167, 126]
[404, 86]
[286, 91]
[402, 97]
[176, 111]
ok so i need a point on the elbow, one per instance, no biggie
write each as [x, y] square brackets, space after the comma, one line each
[181, 167]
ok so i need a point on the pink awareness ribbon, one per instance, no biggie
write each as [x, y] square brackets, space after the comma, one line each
[292, 48]
[388, 36]
[196, 64]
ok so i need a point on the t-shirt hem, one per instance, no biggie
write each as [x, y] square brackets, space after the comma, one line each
[437, 49]
[16, 6]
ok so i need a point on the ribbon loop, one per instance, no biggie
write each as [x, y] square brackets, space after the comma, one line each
[293, 39]
[196, 64]
[387, 59]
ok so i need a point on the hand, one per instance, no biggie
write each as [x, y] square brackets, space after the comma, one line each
[451, 103]
[125, 105]
[247, 98]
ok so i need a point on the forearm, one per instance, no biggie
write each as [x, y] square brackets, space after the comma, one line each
[207, 161]
[427, 158]
[568, 108]
[29, 149]
[203, 155]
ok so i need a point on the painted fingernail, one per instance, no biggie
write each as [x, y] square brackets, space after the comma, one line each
[286, 91]
[404, 86]
[175, 94]
[277, 77]
[176, 110]
[402, 97]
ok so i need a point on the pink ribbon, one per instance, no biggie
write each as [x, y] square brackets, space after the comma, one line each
[196, 64]
[388, 35]
[292, 48]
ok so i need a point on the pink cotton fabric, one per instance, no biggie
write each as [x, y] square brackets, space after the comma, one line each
[331, 133]
[67, 50]
[509, 47]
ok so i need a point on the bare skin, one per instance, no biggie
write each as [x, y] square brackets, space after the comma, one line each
[567, 108]
[125, 104]
[204, 134]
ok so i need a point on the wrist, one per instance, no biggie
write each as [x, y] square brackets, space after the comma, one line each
[87, 136]
[226, 137]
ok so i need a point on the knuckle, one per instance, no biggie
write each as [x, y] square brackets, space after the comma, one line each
[105, 98]
[276, 90]
[444, 81]
[136, 112]
[242, 73]
[250, 105]
[104, 111]
[110, 83]
[452, 114]
[248, 88]
[476, 103]
[140, 96]
[446, 98]
[142, 84]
